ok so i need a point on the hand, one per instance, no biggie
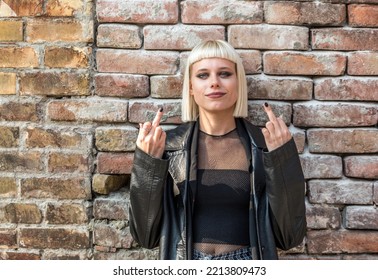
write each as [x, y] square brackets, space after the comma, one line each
[275, 132]
[151, 137]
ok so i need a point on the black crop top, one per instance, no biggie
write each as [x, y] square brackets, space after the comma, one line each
[223, 191]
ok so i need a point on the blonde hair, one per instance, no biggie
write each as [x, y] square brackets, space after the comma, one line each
[213, 49]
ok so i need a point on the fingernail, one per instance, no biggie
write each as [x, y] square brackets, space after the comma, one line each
[161, 109]
[266, 104]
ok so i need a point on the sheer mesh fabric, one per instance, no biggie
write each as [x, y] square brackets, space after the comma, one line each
[222, 197]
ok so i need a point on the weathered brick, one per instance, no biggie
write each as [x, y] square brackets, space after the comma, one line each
[268, 37]
[8, 83]
[115, 163]
[57, 188]
[299, 138]
[140, 11]
[375, 195]
[252, 61]
[19, 111]
[179, 37]
[67, 213]
[321, 14]
[116, 139]
[105, 184]
[166, 86]
[361, 166]
[54, 84]
[122, 85]
[89, 110]
[322, 217]
[321, 114]
[137, 62]
[58, 30]
[63, 162]
[54, 238]
[8, 187]
[11, 31]
[67, 57]
[340, 192]
[63, 8]
[8, 238]
[20, 161]
[361, 217]
[127, 254]
[344, 88]
[19, 256]
[321, 166]
[141, 112]
[65, 255]
[115, 235]
[110, 209]
[363, 63]
[23, 8]
[18, 57]
[222, 12]
[258, 116]
[59, 137]
[118, 36]
[363, 15]
[355, 141]
[346, 241]
[262, 87]
[23, 213]
[299, 63]
[345, 39]
[9, 137]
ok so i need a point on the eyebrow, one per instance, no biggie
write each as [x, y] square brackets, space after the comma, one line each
[222, 68]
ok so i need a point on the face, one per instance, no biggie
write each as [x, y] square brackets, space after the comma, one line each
[214, 85]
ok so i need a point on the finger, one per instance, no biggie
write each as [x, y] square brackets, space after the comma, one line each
[268, 110]
[156, 121]
[144, 129]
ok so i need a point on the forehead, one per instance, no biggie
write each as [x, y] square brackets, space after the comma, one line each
[210, 63]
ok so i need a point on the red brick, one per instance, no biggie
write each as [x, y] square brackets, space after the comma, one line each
[298, 63]
[24, 8]
[19, 111]
[62, 162]
[322, 217]
[375, 195]
[54, 84]
[363, 63]
[23, 213]
[19, 256]
[361, 166]
[67, 57]
[57, 188]
[8, 238]
[110, 209]
[65, 8]
[340, 191]
[54, 238]
[11, 31]
[105, 184]
[299, 138]
[345, 39]
[321, 14]
[361, 89]
[363, 15]
[141, 112]
[8, 187]
[138, 62]
[179, 37]
[263, 87]
[115, 163]
[268, 37]
[116, 139]
[112, 236]
[166, 86]
[140, 11]
[8, 83]
[321, 166]
[18, 57]
[252, 61]
[122, 85]
[222, 12]
[89, 110]
[361, 217]
[322, 114]
[336, 242]
[355, 141]
[118, 36]
[21, 161]
[258, 116]
[68, 213]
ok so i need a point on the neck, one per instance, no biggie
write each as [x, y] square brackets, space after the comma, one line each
[216, 124]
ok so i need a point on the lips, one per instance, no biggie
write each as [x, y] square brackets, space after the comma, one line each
[217, 94]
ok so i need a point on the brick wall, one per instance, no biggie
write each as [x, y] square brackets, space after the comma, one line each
[77, 76]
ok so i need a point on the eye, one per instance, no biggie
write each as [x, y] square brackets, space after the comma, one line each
[202, 75]
[225, 74]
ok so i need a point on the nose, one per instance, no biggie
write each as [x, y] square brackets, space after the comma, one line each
[214, 83]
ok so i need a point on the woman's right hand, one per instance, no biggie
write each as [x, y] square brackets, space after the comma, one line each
[151, 137]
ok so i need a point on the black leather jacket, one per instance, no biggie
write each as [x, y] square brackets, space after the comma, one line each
[162, 191]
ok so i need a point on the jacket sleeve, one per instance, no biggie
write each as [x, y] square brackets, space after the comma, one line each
[147, 182]
[285, 185]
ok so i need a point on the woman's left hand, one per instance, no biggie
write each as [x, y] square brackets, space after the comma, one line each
[275, 132]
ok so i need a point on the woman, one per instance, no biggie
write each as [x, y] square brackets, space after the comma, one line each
[216, 187]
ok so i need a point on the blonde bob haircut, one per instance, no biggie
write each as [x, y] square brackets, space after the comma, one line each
[213, 49]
